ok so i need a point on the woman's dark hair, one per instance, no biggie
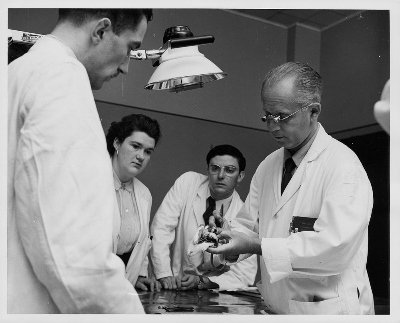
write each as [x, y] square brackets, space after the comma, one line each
[222, 150]
[121, 19]
[129, 124]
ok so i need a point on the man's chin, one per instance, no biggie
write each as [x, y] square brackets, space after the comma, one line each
[222, 191]
[96, 86]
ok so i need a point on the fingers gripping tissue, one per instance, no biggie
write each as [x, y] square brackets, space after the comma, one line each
[204, 238]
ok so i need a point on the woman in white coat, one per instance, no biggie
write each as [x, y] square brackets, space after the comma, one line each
[130, 143]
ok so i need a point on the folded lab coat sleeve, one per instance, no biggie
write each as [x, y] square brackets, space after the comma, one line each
[163, 229]
[65, 197]
[340, 229]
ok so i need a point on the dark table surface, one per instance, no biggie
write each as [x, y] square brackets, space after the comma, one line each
[202, 302]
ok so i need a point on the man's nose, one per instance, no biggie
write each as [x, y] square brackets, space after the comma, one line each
[123, 68]
[221, 173]
[272, 125]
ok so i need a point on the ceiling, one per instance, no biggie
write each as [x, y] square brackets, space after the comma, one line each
[311, 18]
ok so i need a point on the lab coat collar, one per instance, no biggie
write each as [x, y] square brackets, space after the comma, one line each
[319, 144]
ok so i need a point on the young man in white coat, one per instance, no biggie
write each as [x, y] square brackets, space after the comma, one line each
[313, 233]
[61, 199]
[186, 206]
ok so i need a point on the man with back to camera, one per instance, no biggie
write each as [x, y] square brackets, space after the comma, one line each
[313, 200]
[187, 205]
[60, 186]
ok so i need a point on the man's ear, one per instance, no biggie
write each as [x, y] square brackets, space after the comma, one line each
[241, 176]
[315, 110]
[99, 29]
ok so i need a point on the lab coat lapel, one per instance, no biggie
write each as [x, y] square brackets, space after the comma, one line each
[277, 177]
[292, 187]
[199, 204]
[142, 206]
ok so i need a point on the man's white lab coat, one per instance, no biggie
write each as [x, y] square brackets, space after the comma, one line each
[175, 225]
[321, 271]
[138, 261]
[61, 198]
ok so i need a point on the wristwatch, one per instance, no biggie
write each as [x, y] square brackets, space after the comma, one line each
[201, 283]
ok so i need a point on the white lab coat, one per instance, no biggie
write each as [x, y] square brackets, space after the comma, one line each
[138, 261]
[329, 264]
[61, 199]
[174, 226]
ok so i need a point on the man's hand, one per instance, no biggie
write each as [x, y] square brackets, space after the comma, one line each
[170, 282]
[218, 222]
[144, 283]
[190, 281]
[236, 243]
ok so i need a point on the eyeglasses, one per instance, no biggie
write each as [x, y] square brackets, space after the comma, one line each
[215, 169]
[278, 118]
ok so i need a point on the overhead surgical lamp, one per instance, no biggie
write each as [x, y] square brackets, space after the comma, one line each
[180, 65]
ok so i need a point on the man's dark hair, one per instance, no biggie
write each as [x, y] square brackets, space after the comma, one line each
[129, 124]
[308, 82]
[222, 150]
[121, 19]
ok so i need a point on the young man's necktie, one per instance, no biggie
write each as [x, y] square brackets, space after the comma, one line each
[209, 211]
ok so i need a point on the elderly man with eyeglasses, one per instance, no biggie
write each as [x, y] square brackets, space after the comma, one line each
[189, 204]
[313, 201]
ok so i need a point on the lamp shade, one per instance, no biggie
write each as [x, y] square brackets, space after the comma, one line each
[183, 69]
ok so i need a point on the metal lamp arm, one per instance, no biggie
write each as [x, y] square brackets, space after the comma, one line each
[142, 54]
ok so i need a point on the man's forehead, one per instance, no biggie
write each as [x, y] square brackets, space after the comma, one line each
[283, 90]
[287, 84]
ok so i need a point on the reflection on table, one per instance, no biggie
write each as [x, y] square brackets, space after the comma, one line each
[202, 302]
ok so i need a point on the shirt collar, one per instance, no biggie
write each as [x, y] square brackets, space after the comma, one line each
[119, 185]
[299, 155]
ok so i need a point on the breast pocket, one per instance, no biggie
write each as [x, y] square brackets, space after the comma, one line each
[328, 307]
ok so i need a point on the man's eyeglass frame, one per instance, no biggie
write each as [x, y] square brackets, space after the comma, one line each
[224, 168]
[277, 118]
